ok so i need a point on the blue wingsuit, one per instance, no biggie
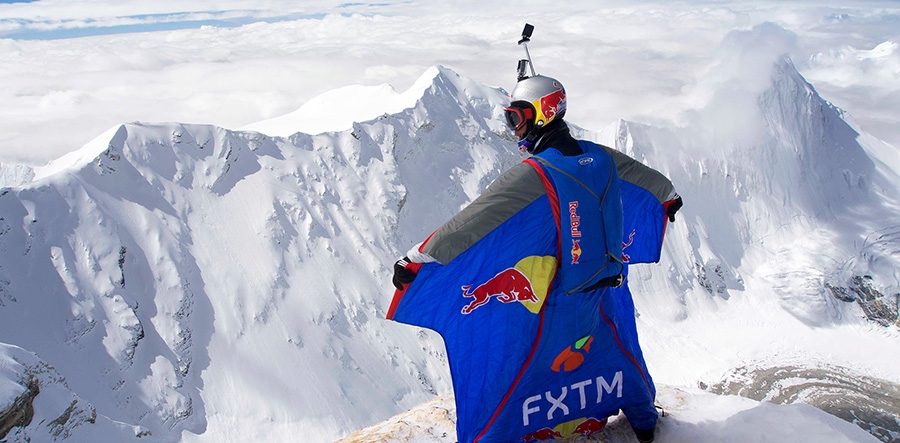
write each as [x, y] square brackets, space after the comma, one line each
[539, 345]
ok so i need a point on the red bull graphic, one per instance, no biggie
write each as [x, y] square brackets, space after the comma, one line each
[570, 359]
[541, 435]
[590, 426]
[625, 257]
[574, 219]
[553, 103]
[508, 286]
[576, 251]
[579, 427]
[575, 225]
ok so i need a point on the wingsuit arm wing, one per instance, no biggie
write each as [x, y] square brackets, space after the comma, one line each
[506, 196]
[641, 175]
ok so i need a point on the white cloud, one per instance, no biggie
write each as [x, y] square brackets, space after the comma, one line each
[645, 61]
[724, 99]
[863, 81]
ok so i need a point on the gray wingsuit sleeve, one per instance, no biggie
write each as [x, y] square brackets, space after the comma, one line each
[508, 194]
[642, 175]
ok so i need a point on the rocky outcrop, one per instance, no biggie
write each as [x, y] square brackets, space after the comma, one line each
[36, 404]
[73, 416]
[878, 307]
[870, 278]
[434, 420]
[21, 411]
[870, 403]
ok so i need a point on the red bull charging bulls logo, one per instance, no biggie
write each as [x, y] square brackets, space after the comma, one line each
[584, 427]
[576, 251]
[508, 286]
[541, 435]
[589, 427]
[527, 283]
[554, 102]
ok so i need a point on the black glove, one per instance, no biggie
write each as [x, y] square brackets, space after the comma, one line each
[672, 206]
[402, 276]
[613, 281]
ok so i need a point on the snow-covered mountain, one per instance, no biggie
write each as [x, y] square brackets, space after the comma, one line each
[177, 282]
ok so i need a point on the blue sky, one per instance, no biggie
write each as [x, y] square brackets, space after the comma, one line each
[147, 23]
[62, 19]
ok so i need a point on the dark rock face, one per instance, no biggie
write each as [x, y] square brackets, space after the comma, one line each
[870, 278]
[878, 307]
[870, 403]
[21, 411]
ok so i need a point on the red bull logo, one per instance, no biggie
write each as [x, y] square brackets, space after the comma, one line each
[576, 251]
[625, 257]
[590, 426]
[553, 103]
[541, 435]
[575, 231]
[583, 427]
[507, 286]
[574, 219]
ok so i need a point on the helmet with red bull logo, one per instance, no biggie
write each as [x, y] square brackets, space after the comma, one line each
[537, 101]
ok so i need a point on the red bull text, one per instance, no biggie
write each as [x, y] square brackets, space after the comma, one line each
[574, 219]
[508, 286]
[575, 225]
[625, 257]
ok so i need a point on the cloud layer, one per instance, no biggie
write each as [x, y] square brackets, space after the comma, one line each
[257, 60]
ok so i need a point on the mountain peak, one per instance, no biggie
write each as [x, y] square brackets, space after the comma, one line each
[813, 132]
[87, 154]
[337, 110]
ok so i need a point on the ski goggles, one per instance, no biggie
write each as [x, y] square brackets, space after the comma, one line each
[516, 116]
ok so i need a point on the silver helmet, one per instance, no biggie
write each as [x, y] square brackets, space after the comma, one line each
[546, 96]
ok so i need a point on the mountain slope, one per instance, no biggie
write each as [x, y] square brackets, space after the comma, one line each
[188, 278]
[193, 283]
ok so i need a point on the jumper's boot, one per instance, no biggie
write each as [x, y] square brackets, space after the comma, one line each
[643, 435]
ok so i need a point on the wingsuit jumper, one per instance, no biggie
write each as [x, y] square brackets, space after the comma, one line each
[527, 284]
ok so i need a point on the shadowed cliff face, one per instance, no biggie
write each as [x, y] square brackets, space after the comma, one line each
[868, 402]
[21, 411]
[879, 307]
[869, 278]
[36, 404]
